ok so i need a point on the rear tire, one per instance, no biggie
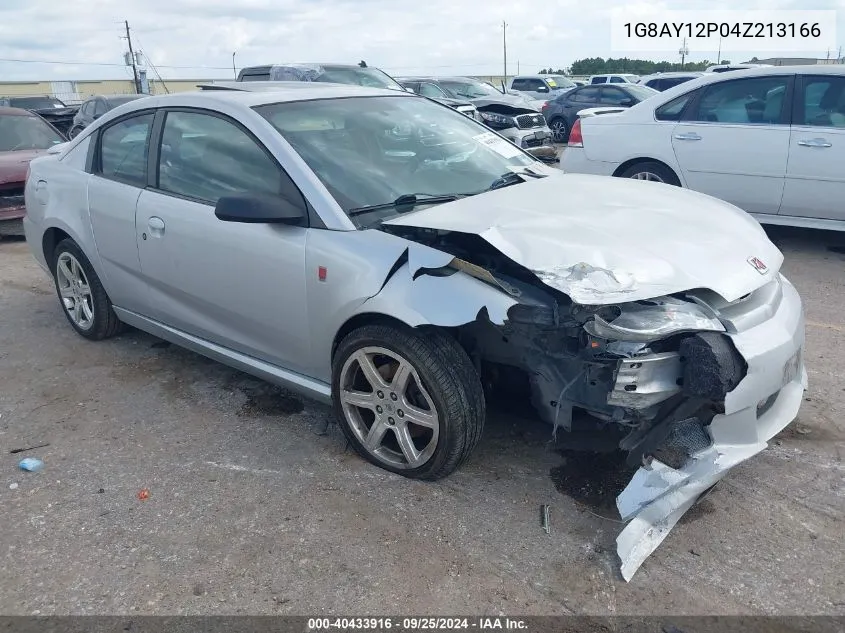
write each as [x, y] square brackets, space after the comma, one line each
[394, 385]
[651, 171]
[84, 301]
[560, 130]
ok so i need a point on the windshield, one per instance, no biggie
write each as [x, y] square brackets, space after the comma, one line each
[370, 77]
[26, 132]
[470, 89]
[372, 150]
[35, 103]
[559, 83]
[641, 92]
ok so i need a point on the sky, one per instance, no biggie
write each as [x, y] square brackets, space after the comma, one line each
[195, 39]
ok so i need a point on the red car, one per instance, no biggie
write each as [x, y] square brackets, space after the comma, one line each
[23, 136]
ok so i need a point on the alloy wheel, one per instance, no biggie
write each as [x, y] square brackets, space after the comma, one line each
[647, 175]
[388, 408]
[75, 291]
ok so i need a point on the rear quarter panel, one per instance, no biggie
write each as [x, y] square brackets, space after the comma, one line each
[56, 196]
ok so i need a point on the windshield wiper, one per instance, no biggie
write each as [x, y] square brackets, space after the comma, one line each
[514, 178]
[409, 200]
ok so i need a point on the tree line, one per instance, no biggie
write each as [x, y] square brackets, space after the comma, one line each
[601, 66]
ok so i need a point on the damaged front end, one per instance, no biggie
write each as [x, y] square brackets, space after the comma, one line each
[688, 384]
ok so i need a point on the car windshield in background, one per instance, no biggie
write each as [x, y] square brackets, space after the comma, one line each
[35, 103]
[470, 89]
[397, 145]
[560, 83]
[641, 92]
[370, 77]
[26, 132]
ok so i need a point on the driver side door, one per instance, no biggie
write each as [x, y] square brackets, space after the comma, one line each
[238, 285]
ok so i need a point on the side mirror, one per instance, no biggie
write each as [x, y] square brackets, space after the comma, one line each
[255, 208]
[96, 116]
[543, 89]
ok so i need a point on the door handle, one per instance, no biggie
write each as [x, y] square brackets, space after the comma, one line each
[156, 225]
[814, 142]
[688, 136]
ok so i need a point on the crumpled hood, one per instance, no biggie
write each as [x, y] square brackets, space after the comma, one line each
[604, 240]
[13, 165]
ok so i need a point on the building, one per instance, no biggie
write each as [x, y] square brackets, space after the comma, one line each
[794, 61]
[71, 92]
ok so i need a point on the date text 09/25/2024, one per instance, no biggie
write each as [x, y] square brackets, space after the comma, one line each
[417, 624]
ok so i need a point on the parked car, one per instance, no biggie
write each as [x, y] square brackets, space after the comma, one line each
[52, 110]
[285, 234]
[724, 68]
[540, 87]
[23, 136]
[768, 140]
[433, 91]
[664, 81]
[513, 116]
[96, 106]
[620, 78]
[562, 112]
[351, 74]
[579, 82]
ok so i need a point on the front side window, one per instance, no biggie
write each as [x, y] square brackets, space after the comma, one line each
[758, 100]
[20, 132]
[100, 107]
[204, 157]
[519, 84]
[617, 80]
[371, 150]
[430, 90]
[124, 147]
[824, 102]
[535, 85]
[613, 96]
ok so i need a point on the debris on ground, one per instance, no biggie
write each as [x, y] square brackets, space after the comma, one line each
[544, 518]
[31, 464]
[143, 494]
[14, 451]
[13, 486]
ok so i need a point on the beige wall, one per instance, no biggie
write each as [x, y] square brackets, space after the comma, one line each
[85, 89]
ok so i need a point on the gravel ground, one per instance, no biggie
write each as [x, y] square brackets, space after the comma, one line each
[254, 508]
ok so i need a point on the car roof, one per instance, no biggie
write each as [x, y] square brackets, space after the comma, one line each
[15, 112]
[252, 98]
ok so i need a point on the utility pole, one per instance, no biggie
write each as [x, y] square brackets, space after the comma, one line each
[719, 54]
[234, 70]
[683, 53]
[505, 48]
[132, 57]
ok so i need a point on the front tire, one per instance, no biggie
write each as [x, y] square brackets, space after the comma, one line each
[652, 172]
[84, 300]
[409, 402]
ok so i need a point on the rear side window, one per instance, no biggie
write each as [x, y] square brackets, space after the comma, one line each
[518, 84]
[204, 157]
[598, 80]
[617, 80]
[655, 83]
[430, 90]
[124, 147]
[673, 110]
[586, 95]
[758, 100]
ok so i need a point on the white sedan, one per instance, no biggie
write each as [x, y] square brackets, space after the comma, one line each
[768, 140]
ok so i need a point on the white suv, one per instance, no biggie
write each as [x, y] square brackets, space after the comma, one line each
[618, 78]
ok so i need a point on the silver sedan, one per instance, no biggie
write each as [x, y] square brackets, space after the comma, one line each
[391, 256]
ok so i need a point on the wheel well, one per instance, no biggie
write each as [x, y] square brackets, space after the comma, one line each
[51, 239]
[636, 161]
[360, 320]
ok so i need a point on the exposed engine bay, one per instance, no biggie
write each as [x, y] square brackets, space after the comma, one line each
[658, 369]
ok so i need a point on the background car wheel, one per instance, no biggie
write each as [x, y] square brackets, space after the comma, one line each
[653, 172]
[83, 298]
[560, 131]
[410, 402]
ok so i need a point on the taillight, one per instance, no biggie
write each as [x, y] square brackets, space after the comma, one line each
[544, 107]
[575, 138]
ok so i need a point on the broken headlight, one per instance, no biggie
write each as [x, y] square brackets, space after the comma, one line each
[651, 320]
[497, 121]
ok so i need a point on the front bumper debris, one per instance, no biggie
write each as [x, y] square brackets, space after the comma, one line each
[762, 405]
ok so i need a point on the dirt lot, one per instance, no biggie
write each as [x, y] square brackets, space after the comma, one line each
[253, 510]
